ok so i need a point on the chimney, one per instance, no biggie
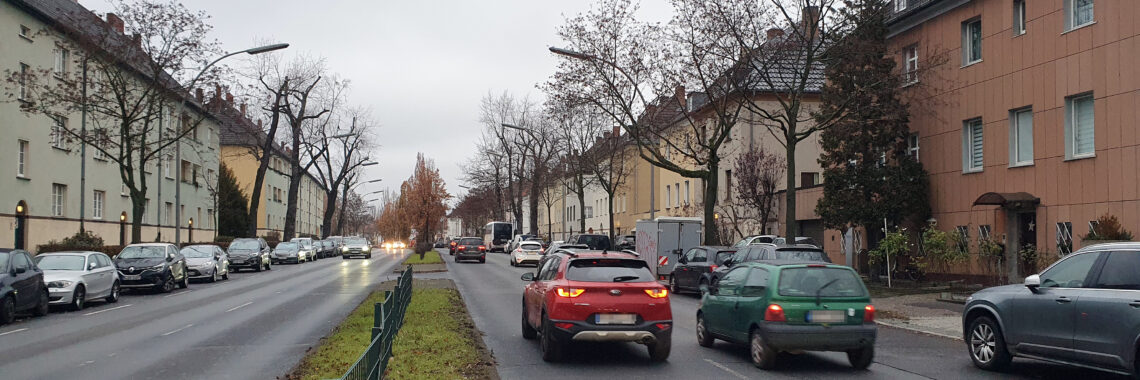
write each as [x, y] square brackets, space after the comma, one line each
[115, 22]
[198, 93]
[218, 91]
[243, 109]
[259, 123]
[809, 19]
[679, 93]
[774, 33]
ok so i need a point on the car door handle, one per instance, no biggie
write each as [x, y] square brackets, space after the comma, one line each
[1135, 304]
[1063, 300]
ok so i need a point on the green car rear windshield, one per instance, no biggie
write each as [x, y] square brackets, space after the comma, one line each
[608, 270]
[824, 281]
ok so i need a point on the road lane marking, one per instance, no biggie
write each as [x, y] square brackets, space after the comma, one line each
[180, 329]
[13, 331]
[176, 294]
[239, 306]
[102, 311]
[726, 369]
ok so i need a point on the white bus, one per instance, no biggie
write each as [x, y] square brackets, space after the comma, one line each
[496, 235]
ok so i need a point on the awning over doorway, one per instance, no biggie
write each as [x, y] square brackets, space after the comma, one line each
[1020, 200]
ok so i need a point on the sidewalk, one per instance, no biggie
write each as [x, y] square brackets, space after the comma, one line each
[922, 313]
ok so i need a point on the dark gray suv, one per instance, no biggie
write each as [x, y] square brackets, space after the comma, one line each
[1083, 310]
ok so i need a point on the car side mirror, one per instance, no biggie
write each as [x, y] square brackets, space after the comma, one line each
[683, 260]
[1033, 282]
[528, 276]
[21, 270]
[169, 258]
[91, 266]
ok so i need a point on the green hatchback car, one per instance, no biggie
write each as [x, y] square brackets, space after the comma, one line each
[783, 306]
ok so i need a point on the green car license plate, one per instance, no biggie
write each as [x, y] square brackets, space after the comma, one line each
[825, 316]
[615, 319]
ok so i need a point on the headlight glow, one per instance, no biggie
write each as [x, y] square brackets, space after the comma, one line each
[344, 249]
[59, 284]
[157, 267]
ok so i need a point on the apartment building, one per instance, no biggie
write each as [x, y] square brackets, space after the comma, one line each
[51, 183]
[1025, 114]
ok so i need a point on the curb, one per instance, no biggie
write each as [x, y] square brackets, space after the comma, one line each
[902, 326]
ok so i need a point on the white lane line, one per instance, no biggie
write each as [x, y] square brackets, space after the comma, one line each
[726, 369]
[179, 329]
[239, 306]
[103, 311]
[13, 331]
[176, 294]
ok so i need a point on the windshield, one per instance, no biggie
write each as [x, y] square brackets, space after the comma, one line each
[806, 281]
[531, 247]
[595, 241]
[608, 270]
[286, 247]
[355, 241]
[800, 255]
[722, 256]
[470, 241]
[60, 262]
[249, 244]
[303, 242]
[502, 229]
[143, 252]
[3, 262]
[742, 242]
[198, 252]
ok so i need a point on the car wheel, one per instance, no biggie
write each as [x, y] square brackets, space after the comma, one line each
[986, 344]
[259, 267]
[168, 285]
[368, 256]
[268, 266]
[762, 356]
[704, 285]
[528, 331]
[79, 299]
[7, 310]
[457, 259]
[659, 350]
[185, 283]
[673, 285]
[551, 351]
[861, 358]
[114, 296]
[512, 262]
[226, 276]
[42, 307]
[483, 261]
[703, 337]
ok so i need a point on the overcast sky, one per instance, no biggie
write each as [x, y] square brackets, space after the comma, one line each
[422, 66]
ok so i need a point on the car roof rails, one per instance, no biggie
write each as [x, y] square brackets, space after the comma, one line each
[630, 251]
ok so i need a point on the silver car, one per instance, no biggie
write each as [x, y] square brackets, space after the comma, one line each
[307, 249]
[1084, 310]
[288, 252]
[208, 262]
[73, 278]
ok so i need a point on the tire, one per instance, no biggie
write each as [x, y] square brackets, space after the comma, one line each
[482, 261]
[659, 351]
[551, 350]
[986, 345]
[78, 299]
[268, 266]
[260, 267]
[114, 296]
[457, 259]
[7, 310]
[513, 263]
[528, 332]
[759, 353]
[168, 285]
[226, 276]
[214, 277]
[368, 256]
[42, 307]
[703, 337]
[704, 285]
[673, 285]
[861, 358]
[185, 283]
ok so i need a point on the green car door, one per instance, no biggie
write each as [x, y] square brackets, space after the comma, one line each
[751, 302]
[720, 303]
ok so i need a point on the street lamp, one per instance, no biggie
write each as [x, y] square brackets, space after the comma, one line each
[376, 192]
[181, 108]
[571, 53]
[374, 181]
[370, 163]
[344, 135]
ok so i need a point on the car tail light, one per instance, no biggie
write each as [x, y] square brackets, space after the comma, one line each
[774, 313]
[657, 293]
[712, 268]
[869, 313]
[662, 326]
[482, 248]
[569, 292]
[462, 248]
[563, 325]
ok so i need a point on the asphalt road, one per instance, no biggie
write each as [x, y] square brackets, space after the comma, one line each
[252, 326]
[493, 295]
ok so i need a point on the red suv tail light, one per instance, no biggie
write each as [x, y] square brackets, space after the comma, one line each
[569, 292]
[712, 268]
[564, 325]
[774, 313]
[657, 293]
[869, 313]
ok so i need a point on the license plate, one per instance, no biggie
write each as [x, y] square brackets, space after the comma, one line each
[132, 277]
[615, 319]
[826, 316]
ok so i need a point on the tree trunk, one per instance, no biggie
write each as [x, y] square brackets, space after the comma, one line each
[138, 202]
[549, 224]
[610, 201]
[255, 194]
[343, 206]
[294, 190]
[582, 210]
[535, 187]
[711, 185]
[790, 195]
[330, 211]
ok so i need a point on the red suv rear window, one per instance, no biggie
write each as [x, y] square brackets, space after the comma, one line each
[608, 270]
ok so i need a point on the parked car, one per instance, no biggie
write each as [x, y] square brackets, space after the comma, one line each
[152, 265]
[73, 278]
[207, 262]
[627, 242]
[250, 253]
[338, 242]
[1082, 310]
[287, 252]
[22, 286]
[329, 248]
[440, 244]
[789, 306]
[755, 239]
[594, 241]
[800, 240]
[767, 251]
[527, 252]
[307, 251]
[471, 248]
[514, 243]
[356, 246]
[452, 245]
[595, 296]
[690, 274]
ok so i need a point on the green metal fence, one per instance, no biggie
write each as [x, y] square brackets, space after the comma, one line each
[387, 321]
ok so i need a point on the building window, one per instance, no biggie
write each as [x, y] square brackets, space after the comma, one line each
[23, 81]
[98, 154]
[62, 57]
[1078, 13]
[963, 238]
[187, 172]
[678, 187]
[1065, 238]
[971, 41]
[58, 196]
[22, 158]
[97, 203]
[687, 193]
[123, 190]
[167, 213]
[26, 32]
[166, 162]
[808, 179]
[1021, 137]
[972, 144]
[668, 196]
[59, 132]
[194, 178]
[900, 5]
[912, 146]
[1079, 130]
[1018, 17]
[984, 232]
[910, 64]
[728, 184]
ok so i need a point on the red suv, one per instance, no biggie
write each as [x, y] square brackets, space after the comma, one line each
[595, 296]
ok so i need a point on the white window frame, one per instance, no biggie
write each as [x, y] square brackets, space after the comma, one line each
[968, 165]
[23, 81]
[167, 210]
[58, 199]
[1071, 127]
[688, 193]
[1019, 18]
[900, 5]
[668, 196]
[1071, 15]
[1015, 130]
[910, 65]
[59, 132]
[22, 158]
[61, 62]
[967, 42]
[99, 199]
[25, 32]
[912, 146]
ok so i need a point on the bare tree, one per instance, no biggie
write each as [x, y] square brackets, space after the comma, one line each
[758, 175]
[337, 171]
[609, 162]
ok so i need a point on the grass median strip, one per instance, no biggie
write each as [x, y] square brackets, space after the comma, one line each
[438, 340]
[431, 257]
[340, 349]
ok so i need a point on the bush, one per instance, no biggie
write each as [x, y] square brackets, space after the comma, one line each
[893, 245]
[81, 241]
[223, 239]
[943, 247]
[1108, 228]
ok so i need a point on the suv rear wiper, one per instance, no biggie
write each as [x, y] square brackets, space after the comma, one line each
[625, 278]
[820, 290]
